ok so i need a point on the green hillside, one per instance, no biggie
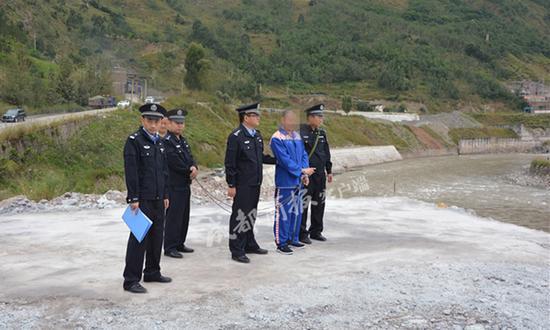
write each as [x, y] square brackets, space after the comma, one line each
[440, 53]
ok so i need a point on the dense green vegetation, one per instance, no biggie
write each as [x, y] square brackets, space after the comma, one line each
[501, 119]
[436, 52]
[475, 133]
[210, 55]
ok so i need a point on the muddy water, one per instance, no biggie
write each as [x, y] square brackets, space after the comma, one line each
[487, 184]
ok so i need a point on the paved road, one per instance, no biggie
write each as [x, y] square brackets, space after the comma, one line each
[50, 118]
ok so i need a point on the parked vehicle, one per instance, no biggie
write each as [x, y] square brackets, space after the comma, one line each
[100, 102]
[149, 99]
[14, 115]
[123, 104]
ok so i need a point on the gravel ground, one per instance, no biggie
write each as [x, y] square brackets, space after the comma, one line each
[389, 263]
[525, 178]
[210, 188]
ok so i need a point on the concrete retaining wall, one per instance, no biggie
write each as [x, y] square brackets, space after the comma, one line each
[429, 153]
[348, 158]
[389, 116]
[495, 145]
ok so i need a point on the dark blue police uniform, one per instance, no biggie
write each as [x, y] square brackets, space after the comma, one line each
[146, 173]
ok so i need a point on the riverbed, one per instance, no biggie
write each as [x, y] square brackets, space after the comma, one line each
[484, 184]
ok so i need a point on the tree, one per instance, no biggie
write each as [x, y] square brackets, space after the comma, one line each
[395, 76]
[346, 103]
[65, 86]
[195, 66]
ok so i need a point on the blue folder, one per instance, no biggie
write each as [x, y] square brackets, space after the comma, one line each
[138, 223]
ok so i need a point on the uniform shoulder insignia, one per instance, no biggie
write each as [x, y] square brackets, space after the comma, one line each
[133, 136]
[168, 137]
[237, 132]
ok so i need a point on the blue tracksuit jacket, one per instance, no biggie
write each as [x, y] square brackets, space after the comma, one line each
[288, 149]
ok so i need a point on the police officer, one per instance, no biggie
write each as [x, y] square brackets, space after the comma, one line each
[317, 148]
[243, 172]
[146, 172]
[182, 168]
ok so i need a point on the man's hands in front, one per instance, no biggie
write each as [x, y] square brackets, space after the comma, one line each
[308, 171]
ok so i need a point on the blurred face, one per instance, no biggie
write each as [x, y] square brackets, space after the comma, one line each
[251, 120]
[163, 127]
[151, 125]
[175, 127]
[289, 121]
[315, 121]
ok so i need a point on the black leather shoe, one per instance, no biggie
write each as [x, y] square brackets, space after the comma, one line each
[297, 244]
[160, 279]
[305, 240]
[243, 259]
[185, 249]
[285, 250]
[318, 237]
[173, 254]
[258, 251]
[136, 288]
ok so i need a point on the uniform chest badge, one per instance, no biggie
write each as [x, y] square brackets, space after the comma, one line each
[246, 142]
[147, 147]
[161, 149]
[178, 146]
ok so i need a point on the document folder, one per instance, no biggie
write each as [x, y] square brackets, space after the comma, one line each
[138, 222]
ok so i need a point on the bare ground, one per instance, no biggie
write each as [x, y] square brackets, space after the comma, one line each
[389, 263]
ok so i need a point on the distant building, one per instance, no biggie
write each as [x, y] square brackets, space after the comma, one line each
[128, 81]
[535, 94]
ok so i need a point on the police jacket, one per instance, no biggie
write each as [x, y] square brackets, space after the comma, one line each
[180, 161]
[145, 168]
[244, 157]
[320, 157]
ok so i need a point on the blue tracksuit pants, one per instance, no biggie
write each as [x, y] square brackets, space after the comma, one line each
[288, 215]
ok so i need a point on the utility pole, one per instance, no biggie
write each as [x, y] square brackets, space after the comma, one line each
[132, 90]
[146, 87]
